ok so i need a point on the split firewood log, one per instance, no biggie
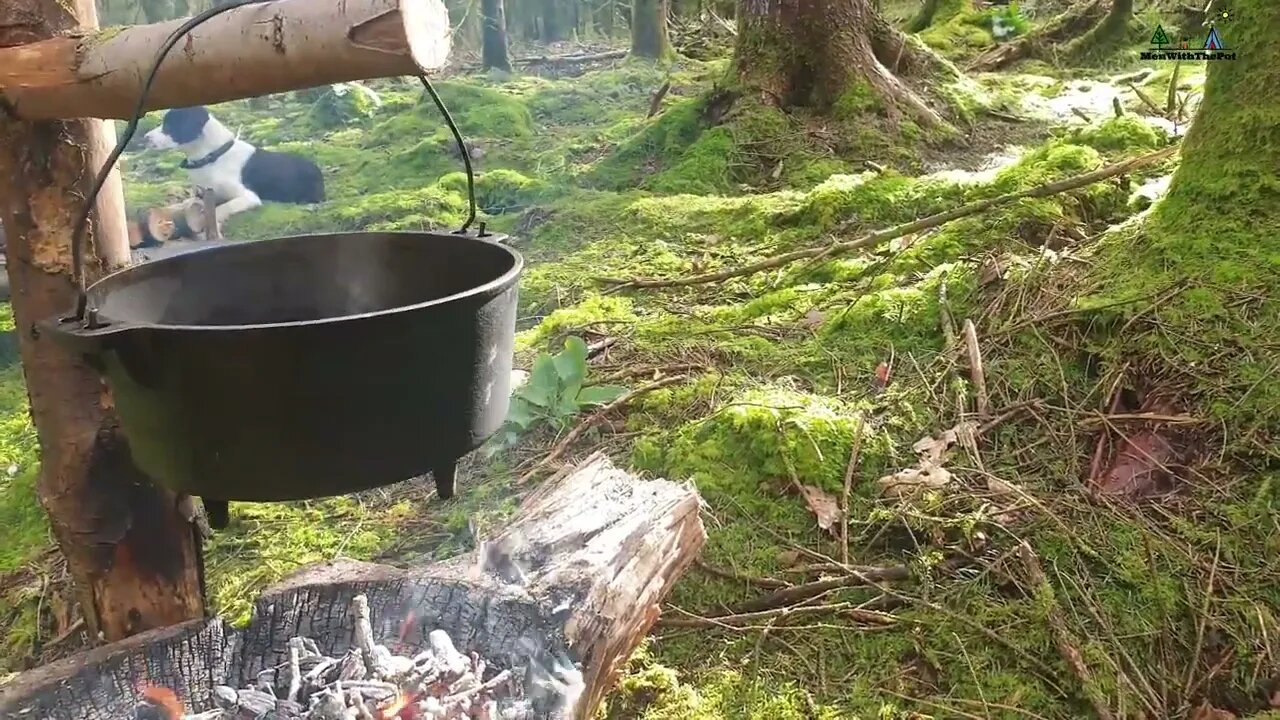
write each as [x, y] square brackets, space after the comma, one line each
[579, 572]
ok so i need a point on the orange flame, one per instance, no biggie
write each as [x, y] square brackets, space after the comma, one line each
[400, 708]
[166, 699]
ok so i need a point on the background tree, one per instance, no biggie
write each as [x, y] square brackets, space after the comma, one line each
[649, 38]
[811, 52]
[494, 21]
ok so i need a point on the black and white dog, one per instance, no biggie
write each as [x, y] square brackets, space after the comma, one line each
[240, 175]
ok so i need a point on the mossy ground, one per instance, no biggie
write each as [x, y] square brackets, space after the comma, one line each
[788, 371]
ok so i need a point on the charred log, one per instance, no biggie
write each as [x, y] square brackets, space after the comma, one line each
[580, 572]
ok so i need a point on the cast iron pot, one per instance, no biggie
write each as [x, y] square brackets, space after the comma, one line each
[306, 366]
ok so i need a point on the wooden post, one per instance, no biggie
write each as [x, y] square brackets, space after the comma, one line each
[132, 553]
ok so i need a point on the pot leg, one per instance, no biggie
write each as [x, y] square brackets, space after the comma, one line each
[444, 476]
[218, 512]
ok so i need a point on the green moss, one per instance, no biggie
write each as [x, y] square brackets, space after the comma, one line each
[857, 100]
[266, 541]
[1127, 133]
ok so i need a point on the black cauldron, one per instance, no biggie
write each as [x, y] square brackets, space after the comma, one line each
[306, 366]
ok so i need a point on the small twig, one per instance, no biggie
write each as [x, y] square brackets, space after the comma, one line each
[764, 582]
[649, 370]
[655, 103]
[882, 236]
[844, 608]
[976, 372]
[1146, 100]
[591, 420]
[848, 486]
[800, 593]
[74, 628]
[210, 209]
[1062, 635]
[1082, 114]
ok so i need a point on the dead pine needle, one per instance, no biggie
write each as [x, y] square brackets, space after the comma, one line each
[976, 371]
[880, 237]
[592, 420]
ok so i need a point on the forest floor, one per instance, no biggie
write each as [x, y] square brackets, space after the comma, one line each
[804, 386]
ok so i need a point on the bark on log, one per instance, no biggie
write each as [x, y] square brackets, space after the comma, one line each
[253, 50]
[133, 557]
[581, 569]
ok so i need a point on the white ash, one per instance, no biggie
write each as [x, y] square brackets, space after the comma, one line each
[369, 682]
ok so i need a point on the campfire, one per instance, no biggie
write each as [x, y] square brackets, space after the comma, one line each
[536, 622]
[370, 682]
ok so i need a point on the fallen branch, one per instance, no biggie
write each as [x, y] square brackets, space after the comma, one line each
[571, 59]
[649, 370]
[1062, 635]
[882, 236]
[591, 420]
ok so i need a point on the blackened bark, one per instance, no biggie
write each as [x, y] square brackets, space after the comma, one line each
[494, 18]
[649, 37]
[133, 557]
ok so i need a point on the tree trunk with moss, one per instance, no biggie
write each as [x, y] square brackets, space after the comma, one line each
[1214, 235]
[494, 39]
[649, 37]
[809, 53]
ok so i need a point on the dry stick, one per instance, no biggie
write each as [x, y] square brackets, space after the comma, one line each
[1062, 635]
[647, 370]
[976, 371]
[594, 419]
[210, 209]
[764, 582]
[655, 102]
[846, 608]
[882, 236]
[800, 593]
[848, 485]
[1146, 100]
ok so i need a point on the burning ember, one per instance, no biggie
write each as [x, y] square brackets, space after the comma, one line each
[371, 683]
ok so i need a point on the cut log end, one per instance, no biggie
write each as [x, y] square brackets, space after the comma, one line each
[427, 32]
[580, 573]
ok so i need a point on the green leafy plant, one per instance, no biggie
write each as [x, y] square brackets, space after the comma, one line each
[554, 393]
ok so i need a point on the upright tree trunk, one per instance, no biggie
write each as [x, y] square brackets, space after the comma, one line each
[495, 35]
[649, 29]
[554, 28]
[131, 552]
[810, 52]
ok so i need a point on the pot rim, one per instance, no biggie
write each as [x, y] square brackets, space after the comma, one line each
[505, 279]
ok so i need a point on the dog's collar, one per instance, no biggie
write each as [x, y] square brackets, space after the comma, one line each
[207, 159]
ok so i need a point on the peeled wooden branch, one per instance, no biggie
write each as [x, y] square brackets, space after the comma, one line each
[882, 236]
[253, 50]
[580, 571]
